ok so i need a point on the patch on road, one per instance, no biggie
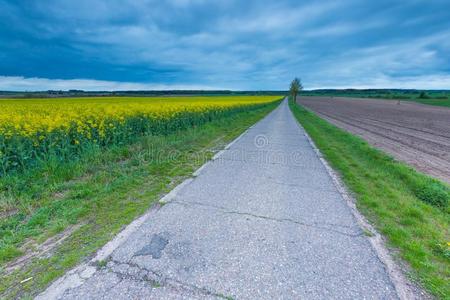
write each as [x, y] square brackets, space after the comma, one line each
[156, 246]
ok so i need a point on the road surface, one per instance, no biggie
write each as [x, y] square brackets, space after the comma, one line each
[261, 221]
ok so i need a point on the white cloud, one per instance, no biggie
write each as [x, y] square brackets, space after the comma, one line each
[340, 29]
[273, 19]
[19, 83]
[428, 82]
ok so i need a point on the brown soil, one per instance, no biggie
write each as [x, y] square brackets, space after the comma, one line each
[415, 133]
[33, 250]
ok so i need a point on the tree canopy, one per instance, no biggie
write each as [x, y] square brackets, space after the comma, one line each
[296, 87]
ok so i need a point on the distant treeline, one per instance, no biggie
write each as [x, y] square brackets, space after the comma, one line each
[366, 93]
[81, 93]
[381, 93]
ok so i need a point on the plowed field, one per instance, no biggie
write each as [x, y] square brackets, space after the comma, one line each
[414, 133]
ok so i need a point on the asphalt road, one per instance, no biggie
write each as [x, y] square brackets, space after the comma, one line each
[261, 221]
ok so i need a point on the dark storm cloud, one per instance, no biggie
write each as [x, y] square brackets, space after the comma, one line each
[223, 44]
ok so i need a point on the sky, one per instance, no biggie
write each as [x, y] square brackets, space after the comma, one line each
[223, 44]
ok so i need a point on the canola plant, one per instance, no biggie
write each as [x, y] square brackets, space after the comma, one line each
[32, 130]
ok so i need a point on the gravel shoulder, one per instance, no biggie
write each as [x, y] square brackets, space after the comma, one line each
[411, 132]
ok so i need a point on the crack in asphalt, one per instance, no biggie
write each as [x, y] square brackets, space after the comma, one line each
[160, 280]
[116, 284]
[270, 179]
[262, 162]
[313, 225]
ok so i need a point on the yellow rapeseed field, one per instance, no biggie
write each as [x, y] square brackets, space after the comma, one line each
[32, 129]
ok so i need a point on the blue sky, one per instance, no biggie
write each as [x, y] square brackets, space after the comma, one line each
[223, 44]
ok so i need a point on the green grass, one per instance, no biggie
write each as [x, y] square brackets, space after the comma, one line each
[435, 102]
[96, 196]
[399, 201]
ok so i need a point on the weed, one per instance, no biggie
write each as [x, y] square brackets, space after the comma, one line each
[101, 264]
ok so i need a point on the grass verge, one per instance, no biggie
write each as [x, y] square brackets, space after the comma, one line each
[81, 205]
[389, 193]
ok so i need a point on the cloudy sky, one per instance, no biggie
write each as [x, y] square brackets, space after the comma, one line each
[223, 44]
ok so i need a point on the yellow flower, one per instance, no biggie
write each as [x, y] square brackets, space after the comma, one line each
[94, 118]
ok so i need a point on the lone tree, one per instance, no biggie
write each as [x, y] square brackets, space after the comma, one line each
[296, 87]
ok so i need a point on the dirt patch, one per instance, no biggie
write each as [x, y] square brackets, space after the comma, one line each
[8, 213]
[33, 250]
[414, 133]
